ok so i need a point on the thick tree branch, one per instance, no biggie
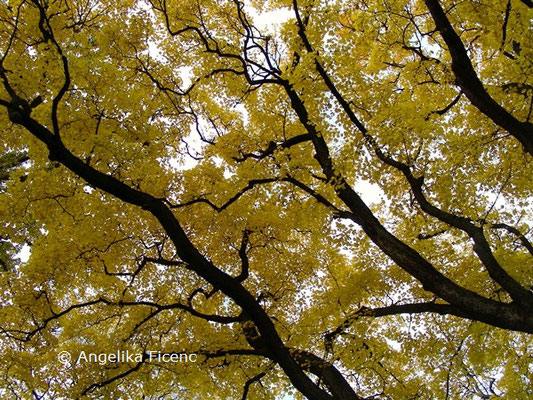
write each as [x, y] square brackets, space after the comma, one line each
[481, 246]
[475, 306]
[395, 309]
[468, 80]
[325, 371]
[208, 354]
[184, 248]
[255, 63]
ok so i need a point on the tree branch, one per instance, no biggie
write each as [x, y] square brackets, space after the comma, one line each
[222, 319]
[100, 385]
[48, 35]
[273, 146]
[243, 255]
[250, 382]
[184, 248]
[511, 229]
[468, 80]
[354, 202]
[395, 309]
[251, 184]
[475, 306]
[29, 334]
[325, 371]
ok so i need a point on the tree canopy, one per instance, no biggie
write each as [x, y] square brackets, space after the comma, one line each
[317, 199]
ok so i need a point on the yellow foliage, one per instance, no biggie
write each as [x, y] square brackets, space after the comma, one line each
[182, 178]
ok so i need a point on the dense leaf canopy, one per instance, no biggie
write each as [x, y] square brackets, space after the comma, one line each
[320, 199]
